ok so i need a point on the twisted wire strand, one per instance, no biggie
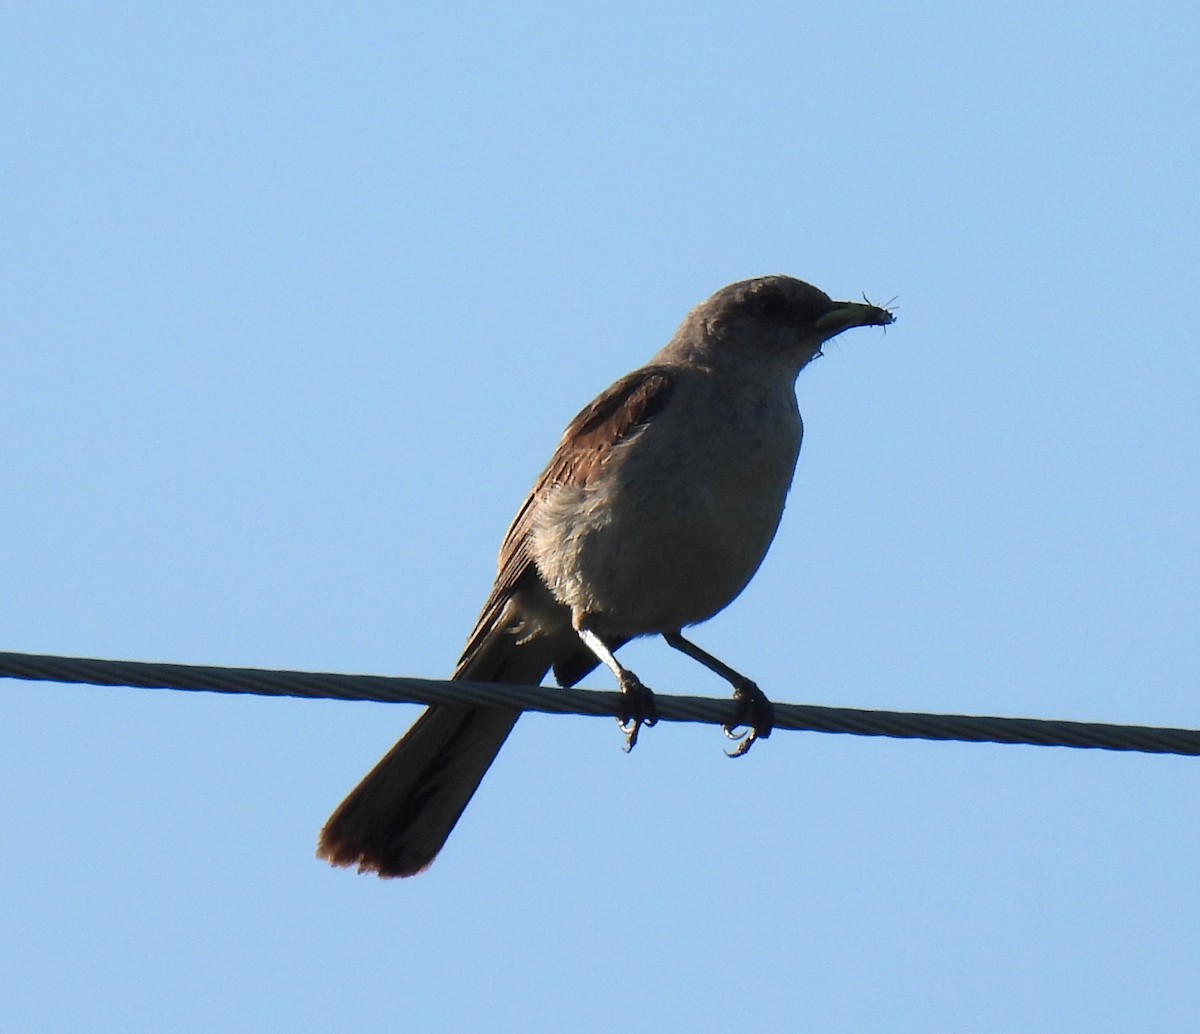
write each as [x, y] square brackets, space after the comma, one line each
[403, 689]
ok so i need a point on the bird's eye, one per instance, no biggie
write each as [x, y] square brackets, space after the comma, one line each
[770, 305]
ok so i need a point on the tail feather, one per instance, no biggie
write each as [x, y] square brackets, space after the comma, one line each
[396, 820]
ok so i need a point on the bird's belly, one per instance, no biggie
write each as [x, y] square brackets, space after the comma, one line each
[658, 550]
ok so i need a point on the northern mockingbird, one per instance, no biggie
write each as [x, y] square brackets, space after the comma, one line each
[654, 512]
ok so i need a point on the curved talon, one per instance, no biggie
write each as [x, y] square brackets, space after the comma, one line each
[757, 716]
[742, 747]
[630, 727]
[639, 709]
[631, 735]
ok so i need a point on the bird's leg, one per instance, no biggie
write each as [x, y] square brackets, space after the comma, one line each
[639, 708]
[756, 712]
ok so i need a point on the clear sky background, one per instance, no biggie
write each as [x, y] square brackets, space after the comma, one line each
[295, 302]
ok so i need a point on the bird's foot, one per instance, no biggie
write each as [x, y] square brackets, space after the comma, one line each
[756, 717]
[637, 708]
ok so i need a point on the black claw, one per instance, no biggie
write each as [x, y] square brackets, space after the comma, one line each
[638, 709]
[756, 714]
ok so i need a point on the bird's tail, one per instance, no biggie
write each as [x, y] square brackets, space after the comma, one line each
[397, 819]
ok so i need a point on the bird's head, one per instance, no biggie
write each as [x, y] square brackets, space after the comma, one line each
[778, 319]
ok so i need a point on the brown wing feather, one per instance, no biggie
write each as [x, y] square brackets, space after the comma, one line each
[630, 403]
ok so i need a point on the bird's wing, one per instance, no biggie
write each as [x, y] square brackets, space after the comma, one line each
[629, 404]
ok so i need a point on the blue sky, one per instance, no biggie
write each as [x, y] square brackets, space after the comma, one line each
[296, 302]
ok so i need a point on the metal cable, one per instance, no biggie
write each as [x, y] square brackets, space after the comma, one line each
[400, 689]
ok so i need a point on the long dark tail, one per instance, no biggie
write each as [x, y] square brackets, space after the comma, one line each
[397, 819]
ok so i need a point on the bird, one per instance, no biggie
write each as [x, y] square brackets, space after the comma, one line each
[656, 509]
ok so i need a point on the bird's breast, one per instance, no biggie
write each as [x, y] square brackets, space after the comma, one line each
[679, 517]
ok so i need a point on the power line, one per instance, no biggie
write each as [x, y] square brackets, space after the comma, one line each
[401, 689]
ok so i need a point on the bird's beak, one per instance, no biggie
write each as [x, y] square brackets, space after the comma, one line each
[845, 315]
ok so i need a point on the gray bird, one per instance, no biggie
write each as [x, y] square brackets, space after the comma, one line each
[653, 514]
